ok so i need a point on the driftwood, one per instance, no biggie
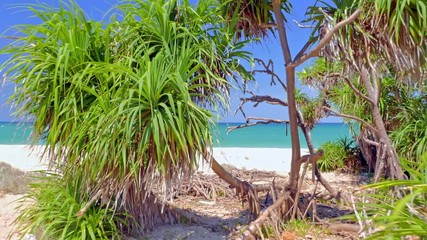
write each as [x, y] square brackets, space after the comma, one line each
[254, 227]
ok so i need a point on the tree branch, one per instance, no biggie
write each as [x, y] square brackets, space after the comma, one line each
[259, 121]
[269, 69]
[304, 48]
[254, 226]
[301, 25]
[334, 113]
[355, 90]
[347, 80]
[371, 142]
[325, 40]
[264, 98]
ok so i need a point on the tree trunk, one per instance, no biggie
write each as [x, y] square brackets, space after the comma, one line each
[292, 111]
[316, 172]
[244, 190]
[367, 150]
[391, 161]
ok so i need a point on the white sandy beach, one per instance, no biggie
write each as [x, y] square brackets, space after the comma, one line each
[270, 159]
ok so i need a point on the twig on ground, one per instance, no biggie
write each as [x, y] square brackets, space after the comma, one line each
[359, 220]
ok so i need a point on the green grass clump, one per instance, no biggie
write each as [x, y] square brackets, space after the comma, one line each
[51, 213]
[333, 158]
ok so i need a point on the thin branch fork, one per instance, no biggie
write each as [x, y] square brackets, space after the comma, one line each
[269, 69]
[258, 122]
[350, 84]
[334, 113]
[301, 25]
[304, 48]
[328, 37]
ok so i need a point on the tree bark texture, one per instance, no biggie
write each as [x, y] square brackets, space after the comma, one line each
[389, 159]
[316, 172]
[292, 111]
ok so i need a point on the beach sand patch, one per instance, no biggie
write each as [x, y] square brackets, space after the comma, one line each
[13, 180]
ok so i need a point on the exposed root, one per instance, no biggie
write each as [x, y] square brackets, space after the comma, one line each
[254, 227]
[244, 190]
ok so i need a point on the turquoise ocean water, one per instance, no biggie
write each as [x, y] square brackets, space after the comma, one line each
[260, 136]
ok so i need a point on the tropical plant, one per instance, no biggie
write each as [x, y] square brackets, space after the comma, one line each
[399, 207]
[400, 48]
[54, 214]
[410, 137]
[254, 16]
[333, 158]
[120, 104]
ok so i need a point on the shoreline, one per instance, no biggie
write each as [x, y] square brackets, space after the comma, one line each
[27, 158]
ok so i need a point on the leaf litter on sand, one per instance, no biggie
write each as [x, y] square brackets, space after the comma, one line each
[210, 208]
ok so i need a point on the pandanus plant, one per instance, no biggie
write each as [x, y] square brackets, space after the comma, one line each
[120, 105]
[388, 37]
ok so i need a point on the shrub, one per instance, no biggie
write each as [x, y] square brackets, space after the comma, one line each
[399, 206]
[333, 158]
[50, 212]
[410, 138]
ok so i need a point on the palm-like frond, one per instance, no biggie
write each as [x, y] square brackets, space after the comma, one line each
[411, 135]
[400, 206]
[252, 18]
[120, 104]
[393, 30]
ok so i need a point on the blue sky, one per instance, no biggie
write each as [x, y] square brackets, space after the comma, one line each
[268, 49]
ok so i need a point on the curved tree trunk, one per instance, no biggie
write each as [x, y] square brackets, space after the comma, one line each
[388, 158]
[243, 188]
[316, 172]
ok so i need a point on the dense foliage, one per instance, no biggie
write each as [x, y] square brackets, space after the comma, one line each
[53, 216]
[121, 104]
[399, 207]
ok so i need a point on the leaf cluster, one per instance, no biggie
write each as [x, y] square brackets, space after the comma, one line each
[399, 206]
[120, 104]
[52, 205]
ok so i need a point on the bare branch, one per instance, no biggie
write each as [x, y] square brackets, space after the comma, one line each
[304, 48]
[324, 41]
[334, 113]
[259, 121]
[269, 25]
[254, 225]
[264, 98]
[269, 69]
[301, 25]
[371, 142]
[355, 90]
[347, 80]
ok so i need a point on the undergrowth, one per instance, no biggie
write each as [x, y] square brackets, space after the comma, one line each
[50, 213]
[398, 207]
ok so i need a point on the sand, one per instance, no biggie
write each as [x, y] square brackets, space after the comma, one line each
[22, 157]
[26, 158]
